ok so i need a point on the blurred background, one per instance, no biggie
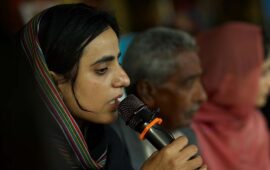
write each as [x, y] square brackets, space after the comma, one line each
[138, 15]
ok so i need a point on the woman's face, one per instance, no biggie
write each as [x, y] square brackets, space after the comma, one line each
[99, 83]
[264, 84]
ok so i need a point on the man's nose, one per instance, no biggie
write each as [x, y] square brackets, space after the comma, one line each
[201, 94]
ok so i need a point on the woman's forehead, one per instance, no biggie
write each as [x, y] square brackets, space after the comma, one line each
[105, 44]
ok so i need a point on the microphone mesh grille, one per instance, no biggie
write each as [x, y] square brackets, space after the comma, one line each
[130, 105]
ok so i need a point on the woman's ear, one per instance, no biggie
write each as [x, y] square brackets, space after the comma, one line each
[146, 92]
[57, 78]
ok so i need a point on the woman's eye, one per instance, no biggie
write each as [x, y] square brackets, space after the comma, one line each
[101, 71]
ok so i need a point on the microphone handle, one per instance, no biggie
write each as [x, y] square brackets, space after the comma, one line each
[159, 137]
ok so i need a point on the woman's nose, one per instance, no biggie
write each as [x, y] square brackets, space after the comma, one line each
[121, 79]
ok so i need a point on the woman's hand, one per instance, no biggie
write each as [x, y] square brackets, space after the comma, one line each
[175, 156]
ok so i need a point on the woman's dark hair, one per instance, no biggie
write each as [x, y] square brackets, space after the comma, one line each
[66, 29]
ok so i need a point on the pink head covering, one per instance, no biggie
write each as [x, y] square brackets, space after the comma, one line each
[232, 134]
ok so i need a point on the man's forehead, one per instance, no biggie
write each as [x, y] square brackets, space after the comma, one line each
[188, 63]
[186, 67]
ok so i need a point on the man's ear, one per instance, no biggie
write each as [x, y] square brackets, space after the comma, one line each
[146, 92]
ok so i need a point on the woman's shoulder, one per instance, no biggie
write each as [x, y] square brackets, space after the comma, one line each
[118, 155]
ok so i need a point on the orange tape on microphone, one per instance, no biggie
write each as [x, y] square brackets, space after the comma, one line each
[151, 124]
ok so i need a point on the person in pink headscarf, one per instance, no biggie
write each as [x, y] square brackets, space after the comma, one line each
[232, 134]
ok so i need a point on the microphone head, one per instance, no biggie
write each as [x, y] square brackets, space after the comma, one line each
[128, 109]
[137, 116]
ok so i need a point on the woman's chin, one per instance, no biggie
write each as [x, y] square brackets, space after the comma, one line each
[101, 117]
[110, 121]
[108, 118]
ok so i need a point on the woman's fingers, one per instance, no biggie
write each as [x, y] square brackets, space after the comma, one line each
[175, 156]
[204, 167]
[187, 153]
[177, 145]
[195, 163]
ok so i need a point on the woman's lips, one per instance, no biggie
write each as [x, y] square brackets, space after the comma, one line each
[114, 104]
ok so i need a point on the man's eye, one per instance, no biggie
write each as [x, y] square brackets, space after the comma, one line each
[189, 83]
[101, 71]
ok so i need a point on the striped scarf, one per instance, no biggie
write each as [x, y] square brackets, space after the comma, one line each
[52, 98]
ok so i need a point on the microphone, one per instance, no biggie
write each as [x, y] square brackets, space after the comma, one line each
[139, 118]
